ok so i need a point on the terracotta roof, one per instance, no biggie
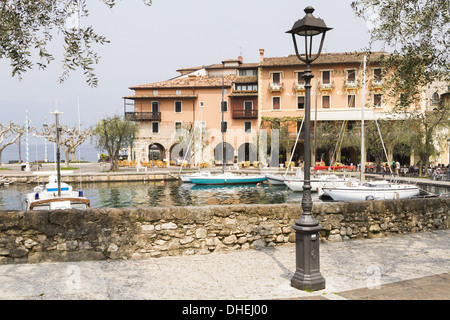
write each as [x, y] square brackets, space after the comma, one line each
[246, 79]
[325, 58]
[187, 82]
[162, 96]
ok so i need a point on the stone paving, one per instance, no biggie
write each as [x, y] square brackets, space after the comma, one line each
[407, 267]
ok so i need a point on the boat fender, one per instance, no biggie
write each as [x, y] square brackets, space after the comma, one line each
[162, 182]
[80, 193]
[36, 196]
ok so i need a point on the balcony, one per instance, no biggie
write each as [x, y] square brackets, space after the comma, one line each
[376, 84]
[351, 85]
[276, 87]
[245, 114]
[326, 86]
[299, 87]
[143, 116]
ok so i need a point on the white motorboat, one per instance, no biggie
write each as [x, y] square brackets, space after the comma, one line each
[47, 198]
[371, 190]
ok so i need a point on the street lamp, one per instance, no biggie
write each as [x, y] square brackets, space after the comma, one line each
[307, 274]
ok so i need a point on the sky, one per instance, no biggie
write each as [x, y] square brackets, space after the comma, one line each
[148, 44]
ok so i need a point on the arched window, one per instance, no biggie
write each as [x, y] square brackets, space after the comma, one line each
[435, 98]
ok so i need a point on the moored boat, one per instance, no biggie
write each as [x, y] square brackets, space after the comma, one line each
[228, 178]
[371, 190]
[47, 197]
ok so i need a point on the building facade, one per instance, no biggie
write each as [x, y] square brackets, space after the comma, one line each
[185, 118]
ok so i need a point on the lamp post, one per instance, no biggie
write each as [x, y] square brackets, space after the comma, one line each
[307, 274]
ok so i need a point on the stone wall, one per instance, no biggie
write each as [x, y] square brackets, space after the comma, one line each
[70, 235]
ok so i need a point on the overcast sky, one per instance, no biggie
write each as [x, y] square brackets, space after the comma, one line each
[148, 44]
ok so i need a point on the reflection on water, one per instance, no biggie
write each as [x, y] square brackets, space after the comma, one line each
[171, 193]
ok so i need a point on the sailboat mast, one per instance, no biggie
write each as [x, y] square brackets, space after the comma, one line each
[223, 125]
[58, 156]
[363, 160]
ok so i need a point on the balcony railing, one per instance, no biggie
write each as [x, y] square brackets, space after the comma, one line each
[143, 116]
[299, 87]
[245, 114]
[276, 87]
[376, 84]
[326, 86]
[351, 85]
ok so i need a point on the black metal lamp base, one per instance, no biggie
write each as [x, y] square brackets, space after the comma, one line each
[307, 274]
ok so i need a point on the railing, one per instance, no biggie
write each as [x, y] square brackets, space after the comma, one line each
[143, 116]
[245, 114]
[276, 87]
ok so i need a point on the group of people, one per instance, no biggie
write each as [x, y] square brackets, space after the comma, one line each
[440, 172]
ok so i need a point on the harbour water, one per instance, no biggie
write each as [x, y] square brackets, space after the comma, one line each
[170, 193]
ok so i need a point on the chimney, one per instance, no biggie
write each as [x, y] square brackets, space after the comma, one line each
[192, 79]
[241, 59]
[261, 55]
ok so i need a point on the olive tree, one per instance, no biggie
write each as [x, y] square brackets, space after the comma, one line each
[27, 28]
[113, 134]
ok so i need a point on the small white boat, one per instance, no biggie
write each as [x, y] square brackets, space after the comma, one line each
[187, 177]
[47, 198]
[373, 190]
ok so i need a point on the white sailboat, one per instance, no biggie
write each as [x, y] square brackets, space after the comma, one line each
[369, 190]
[53, 196]
[56, 194]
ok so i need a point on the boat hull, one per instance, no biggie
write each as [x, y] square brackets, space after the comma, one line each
[227, 180]
[297, 186]
[368, 193]
[274, 179]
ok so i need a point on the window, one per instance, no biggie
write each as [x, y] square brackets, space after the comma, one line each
[224, 92]
[276, 78]
[155, 127]
[276, 103]
[326, 77]
[177, 106]
[325, 102]
[248, 126]
[435, 98]
[300, 79]
[300, 102]
[351, 101]
[178, 92]
[224, 106]
[155, 92]
[377, 74]
[155, 106]
[377, 100]
[248, 72]
[246, 87]
[351, 75]
[177, 126]
[248, 105]
[224, 126]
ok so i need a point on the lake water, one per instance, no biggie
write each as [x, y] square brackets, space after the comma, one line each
[86, 152]
[171, 193]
